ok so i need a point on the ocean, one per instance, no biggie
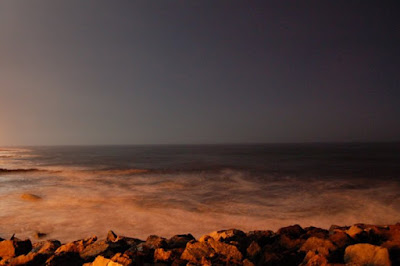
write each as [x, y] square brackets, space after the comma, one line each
[140, 190]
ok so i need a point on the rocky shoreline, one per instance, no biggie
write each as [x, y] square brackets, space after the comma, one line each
[359, 244]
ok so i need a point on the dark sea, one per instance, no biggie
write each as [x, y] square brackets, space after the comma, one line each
[174, 189]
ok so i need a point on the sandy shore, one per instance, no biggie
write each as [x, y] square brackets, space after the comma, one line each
[359, 244]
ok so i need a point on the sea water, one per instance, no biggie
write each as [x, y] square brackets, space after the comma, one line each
[174, 189]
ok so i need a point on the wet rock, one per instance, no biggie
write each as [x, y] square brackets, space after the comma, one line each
[111, 236]
[161, 254]
[313, 259]
[229, 252]
[103, 248]
[341, 239]
[14, 247]
[393, 247]
[367, 254]
[261, 237]
[46, 247]
[195, 251]
[337, 228]
[316, 232]
[247, 262]
[122, 259]
[179, 241]
[102, 261]
[76, 246]
[30, 197]
[155, 242]
[226, 236]
[65, 259]
[293, 232]
[318, 245]
[253, 250]
[29, 259]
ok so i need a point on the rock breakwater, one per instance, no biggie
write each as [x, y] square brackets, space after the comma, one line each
[360, 244]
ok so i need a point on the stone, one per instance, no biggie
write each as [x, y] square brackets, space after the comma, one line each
[195, 251]
[76, 246]
[247, 262]
[102, 261]
[367, 254]
[261, 237]
[155, 242]
[103, 248]
[30, 197]
[318, 245]
[46, 247]
[313, 259]
[293, 231]
[341, 239]
[65, 259]
[230, 252]
[14, 247]
[111, 236]
[316, 232]
[179, 241]
[226, 235]
[253, 250]
[29, 259]
[161, 254]
[122, 259]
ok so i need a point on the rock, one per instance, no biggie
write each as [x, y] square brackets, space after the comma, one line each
[46, 247]
[316, 232]
[261, 237]
[394, 250]
[367, 254]
[225, 235]
[230, 252]
[313, 259]
[39, 235]
[290, 243]
[104, 248]
[65, 259]
[293, 232]
[29, 259]
[122, 259]
[179, 241]
[101, 261]
[14, 247]
[253, 250]
[318, 245]
[76, 246]
[30, 197]
[155, 242]
[195, 251]
[341, 239]
[247, 262]
[111, 236]
[336, 228]
[161, 254]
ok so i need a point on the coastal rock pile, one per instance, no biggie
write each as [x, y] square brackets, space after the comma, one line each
[359, 244]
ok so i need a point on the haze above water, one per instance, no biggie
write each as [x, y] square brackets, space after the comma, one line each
[167, 190]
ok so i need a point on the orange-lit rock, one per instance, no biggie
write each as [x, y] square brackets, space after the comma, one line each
[367, 254]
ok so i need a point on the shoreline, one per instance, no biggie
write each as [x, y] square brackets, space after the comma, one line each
[360, 244]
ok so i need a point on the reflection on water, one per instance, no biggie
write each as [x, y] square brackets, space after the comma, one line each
[77, 202]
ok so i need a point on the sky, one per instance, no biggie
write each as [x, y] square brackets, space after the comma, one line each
[169, 72]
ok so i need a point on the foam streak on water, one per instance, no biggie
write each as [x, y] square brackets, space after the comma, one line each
[89, 190]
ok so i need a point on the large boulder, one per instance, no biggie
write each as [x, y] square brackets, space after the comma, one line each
[76, 246]
[195, 251]
[14, 247]
[367, 254]
[179, 241]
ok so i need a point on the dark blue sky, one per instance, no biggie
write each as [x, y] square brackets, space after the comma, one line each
[137, 72]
